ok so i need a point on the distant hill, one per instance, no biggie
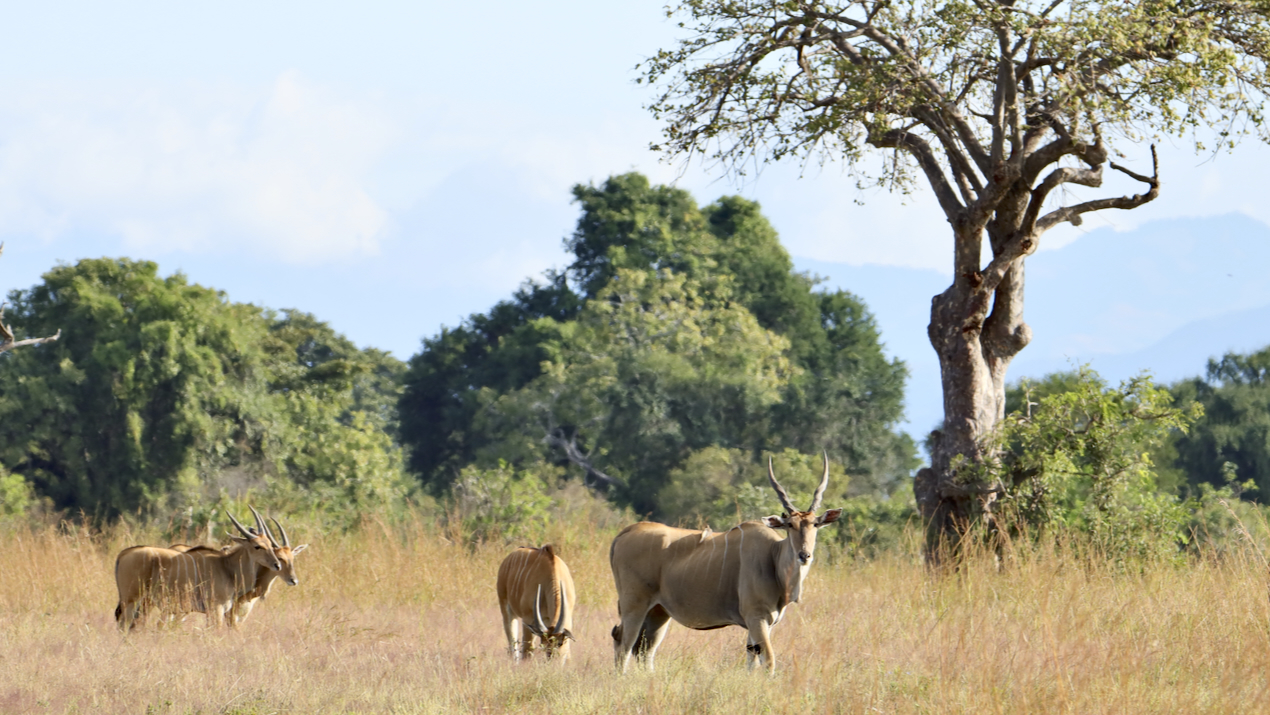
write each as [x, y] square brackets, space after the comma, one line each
[1185, 352]
[1166, 297]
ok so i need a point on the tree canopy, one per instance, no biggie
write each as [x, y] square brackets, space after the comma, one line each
[159, 388]
[675, 329]
[1233, 439]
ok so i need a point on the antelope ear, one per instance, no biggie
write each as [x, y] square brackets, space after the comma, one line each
[568, 635]
[238, 539]
[829, 517]
[774, 522]
[299, 548]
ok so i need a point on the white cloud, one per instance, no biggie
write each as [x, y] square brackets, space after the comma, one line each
[309, 173]
[279, 170]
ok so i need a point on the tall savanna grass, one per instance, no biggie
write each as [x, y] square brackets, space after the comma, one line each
[401, 616]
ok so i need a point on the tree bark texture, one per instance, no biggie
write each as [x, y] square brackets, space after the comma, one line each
[977, 327]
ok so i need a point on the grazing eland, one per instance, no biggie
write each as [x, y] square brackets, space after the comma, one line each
[527, 578]
[746, 576]
[201, 578]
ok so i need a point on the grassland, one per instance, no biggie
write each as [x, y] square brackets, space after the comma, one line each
[405, 620]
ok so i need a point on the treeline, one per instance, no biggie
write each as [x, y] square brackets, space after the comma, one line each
[675, 353]
[658, 368]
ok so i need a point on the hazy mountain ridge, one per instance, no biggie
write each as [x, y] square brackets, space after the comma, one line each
[1164, 297]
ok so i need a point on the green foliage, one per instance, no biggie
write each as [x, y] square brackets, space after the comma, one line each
[160, 391]
[502, 502]
[847, 399]
[768, 79]
[1079, 460]
[628, 224]
[1022, 396]
[719, 487]
[650, 370]
[500, 351]
[524, 506]
[679, 303]
[1236, 425]
[16, 495]
[1223, 523]
[871, 526]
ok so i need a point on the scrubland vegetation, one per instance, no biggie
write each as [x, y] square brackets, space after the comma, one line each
[1117, 564]
[400, 615]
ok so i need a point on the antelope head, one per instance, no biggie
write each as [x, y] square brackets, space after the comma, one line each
[801, 525]
[553, 638]
[286, 553]
[259, 547]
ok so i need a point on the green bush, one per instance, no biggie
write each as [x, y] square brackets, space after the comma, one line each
[871, 526]
[16, 494]
[1079, 460]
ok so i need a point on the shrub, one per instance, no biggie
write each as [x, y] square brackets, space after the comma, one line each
[1079, 460]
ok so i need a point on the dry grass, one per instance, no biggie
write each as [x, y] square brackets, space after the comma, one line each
[401, 620]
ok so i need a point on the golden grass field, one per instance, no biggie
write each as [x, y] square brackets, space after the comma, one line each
[403, 620]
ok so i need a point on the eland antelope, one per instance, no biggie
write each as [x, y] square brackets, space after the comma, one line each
[265, 577]
[200, 579]
[746, 576]
[527, 579]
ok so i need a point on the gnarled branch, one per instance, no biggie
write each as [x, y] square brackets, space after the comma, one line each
[1073, 213]
[7, 342]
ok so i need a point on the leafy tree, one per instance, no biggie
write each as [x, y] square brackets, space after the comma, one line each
[628, 223]
[1025, 395]
[720, 487]
[500, 351]
[1234, 435]
[335, 411]
[651, 370]
[110, 417]
[1000, 105]
[845, 397]
[16, 494]
[161, 388]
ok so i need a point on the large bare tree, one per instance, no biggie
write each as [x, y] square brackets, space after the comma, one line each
[7, 342]
[998, 105]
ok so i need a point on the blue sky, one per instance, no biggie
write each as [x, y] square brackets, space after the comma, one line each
[392, 167]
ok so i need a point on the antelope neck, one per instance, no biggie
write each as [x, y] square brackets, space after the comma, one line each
[242, 568]
[789, 570]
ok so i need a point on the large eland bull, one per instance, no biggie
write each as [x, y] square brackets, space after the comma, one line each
[746, 576]
[200, 579]
[527, 578]
[265, 577]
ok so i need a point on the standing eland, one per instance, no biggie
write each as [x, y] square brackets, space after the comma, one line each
[265, 576]
[746, 576]
[527, 578]
[200, 579]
